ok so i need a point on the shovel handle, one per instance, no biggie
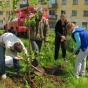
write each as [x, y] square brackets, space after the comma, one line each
[35, 68]
[33, 65]
[69, 56]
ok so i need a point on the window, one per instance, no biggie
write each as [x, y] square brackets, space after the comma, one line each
[74, 13]
[0, 2]
[8, 3]
[64, 2]
[75, 2]
[63, 12]
[84, 24]
[52, 1]
[86, 2]
[1, 21]
[24, 1]
[1, 12]
[85, 13]
[42, 2]
[52, 24]
[52, 12]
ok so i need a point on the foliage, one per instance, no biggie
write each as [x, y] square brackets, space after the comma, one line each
[47, 59]
[31, 20]
[2, 31]
[38, 1]
[15, 4]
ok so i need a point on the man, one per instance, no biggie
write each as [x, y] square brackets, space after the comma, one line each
[39, 30]
[60, 36]
[13, 45]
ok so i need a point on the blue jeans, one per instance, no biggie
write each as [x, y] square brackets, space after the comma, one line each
[16, 65]
[2, 60]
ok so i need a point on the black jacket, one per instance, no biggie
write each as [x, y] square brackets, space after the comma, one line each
[60, 29]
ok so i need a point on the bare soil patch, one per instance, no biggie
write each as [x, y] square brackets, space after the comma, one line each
[15, 80]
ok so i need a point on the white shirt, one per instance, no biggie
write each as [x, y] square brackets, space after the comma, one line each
[8, 39]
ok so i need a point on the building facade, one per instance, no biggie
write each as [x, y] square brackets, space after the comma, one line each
[76, 10]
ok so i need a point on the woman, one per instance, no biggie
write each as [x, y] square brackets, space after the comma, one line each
[80, 36]
[60, 36]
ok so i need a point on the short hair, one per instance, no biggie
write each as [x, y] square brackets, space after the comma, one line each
[70, 25]
[63, 15]
[40, 11]
[18, 47]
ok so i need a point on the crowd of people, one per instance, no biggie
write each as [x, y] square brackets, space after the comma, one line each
[39, 31]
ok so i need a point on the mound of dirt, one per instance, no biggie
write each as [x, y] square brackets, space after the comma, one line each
[15, 80]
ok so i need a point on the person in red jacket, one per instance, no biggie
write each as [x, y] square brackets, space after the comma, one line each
[60, 36]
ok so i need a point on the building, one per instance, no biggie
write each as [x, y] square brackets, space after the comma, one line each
[6, 8]
[76, 10]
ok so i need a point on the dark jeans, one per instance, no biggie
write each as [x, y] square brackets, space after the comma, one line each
[2, 60]
[58, 43]
[36, 46]
[16, 65]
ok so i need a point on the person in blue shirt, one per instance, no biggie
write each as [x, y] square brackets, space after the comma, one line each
[80, 36]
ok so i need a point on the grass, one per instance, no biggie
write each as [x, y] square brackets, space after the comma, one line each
[47, 58]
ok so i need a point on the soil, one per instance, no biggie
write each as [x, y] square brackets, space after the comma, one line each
[19, 81]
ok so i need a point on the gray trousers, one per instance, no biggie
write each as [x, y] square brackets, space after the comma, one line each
[36, 46]
[80, 63]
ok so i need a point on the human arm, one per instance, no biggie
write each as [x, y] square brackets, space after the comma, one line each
[60, 30]
[56, 28]
[14, 54]
[78, 42]
[46, 32]
[24, 48]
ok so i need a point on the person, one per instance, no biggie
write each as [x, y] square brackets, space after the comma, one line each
[80, 36]
[12, 45]
[39, 31]
[60, 36]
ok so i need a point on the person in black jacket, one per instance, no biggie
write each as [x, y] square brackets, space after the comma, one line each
[60, 36]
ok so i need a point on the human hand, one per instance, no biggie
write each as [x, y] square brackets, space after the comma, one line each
[74, 52]
[20, 58]
[63, 38]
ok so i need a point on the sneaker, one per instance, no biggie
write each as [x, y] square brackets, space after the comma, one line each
[4, 76]
[76, 76]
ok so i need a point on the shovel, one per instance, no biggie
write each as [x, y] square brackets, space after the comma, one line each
[38, 70]
[62, 64]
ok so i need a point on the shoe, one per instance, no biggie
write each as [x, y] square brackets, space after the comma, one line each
[4, 76]
[76, 76]
[82, 75]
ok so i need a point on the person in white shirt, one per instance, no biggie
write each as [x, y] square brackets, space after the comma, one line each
[12, 45]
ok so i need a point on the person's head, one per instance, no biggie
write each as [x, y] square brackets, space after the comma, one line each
[40, 12]
[70, 27]
[63, 18]
[18, 47]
